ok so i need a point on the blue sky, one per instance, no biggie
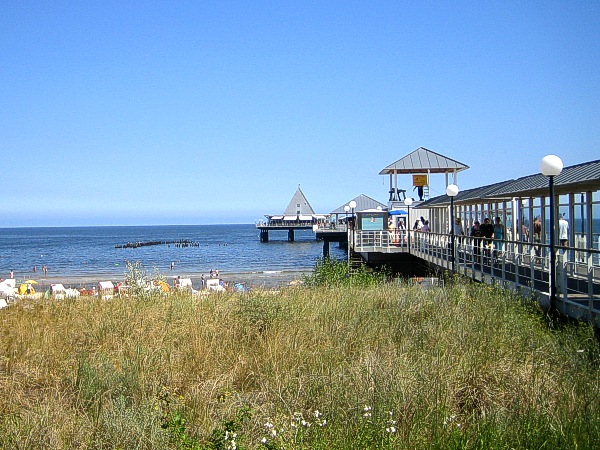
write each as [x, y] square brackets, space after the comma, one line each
[145, 112]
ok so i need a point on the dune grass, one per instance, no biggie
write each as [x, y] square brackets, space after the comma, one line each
[379, 365]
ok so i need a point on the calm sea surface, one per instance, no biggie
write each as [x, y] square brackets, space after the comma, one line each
[90, 251]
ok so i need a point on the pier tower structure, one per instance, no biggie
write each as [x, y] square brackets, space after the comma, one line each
[420, 164]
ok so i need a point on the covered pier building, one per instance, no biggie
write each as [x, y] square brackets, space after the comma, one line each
[298, 215]
[564, 274]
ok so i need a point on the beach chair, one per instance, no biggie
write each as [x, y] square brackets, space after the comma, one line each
[214, 284]
[8, 289]
[185, 284]
[106, 289]
[57, 291]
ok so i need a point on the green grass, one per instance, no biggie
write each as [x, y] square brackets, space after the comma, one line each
[353, 365]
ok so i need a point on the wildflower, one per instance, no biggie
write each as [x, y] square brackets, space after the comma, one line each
[263, 440]
[391, 429]
[367, 411]
[317, 414]
[268, 425]
[450, 419]
[322, 423]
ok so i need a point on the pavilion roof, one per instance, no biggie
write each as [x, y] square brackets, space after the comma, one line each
[363, 202]
[423, 160]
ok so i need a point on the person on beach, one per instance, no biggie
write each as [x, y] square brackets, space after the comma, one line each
[12, 274]
[202, 281]
[172, 265]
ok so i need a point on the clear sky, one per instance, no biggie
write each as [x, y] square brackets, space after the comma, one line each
[149, 112]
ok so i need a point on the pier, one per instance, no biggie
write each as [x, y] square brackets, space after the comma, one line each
[557, 263]
[549, 223]
[298, 215]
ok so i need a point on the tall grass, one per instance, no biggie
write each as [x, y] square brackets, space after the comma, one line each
[375, 366]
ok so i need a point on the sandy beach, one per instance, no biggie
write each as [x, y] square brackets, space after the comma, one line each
[251, 279]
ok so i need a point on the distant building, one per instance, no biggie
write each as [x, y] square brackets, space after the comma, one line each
[298, 213]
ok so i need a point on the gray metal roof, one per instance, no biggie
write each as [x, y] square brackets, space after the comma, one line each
[298, 205]
[363, 202]
[466, 196]
[423, 160]
[583, 177]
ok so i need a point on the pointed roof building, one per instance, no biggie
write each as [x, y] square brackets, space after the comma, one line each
[298, 209]
[299, 205]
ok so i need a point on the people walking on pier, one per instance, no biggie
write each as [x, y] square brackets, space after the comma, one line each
[537, 238]
[476, 234]
[458, 230]
[499, 232]
[487, 229]
[563, 231]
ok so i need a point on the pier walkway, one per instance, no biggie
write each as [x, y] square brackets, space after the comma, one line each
[518, 267]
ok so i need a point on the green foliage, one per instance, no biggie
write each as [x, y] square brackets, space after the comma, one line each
[140, 283]
[225, 437]
[332, 272]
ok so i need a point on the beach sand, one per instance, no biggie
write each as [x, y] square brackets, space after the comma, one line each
[274, 279]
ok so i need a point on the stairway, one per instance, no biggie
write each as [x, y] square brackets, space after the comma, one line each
[355, 262]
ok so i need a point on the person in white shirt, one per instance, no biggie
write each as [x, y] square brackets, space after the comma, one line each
[563, 230]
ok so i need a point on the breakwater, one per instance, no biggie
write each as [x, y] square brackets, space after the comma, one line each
[181, 243]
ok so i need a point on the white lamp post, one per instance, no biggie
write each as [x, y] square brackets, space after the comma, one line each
[346, 209]
[452, 191]
[407, 202]
[352, 205]
[551, 166]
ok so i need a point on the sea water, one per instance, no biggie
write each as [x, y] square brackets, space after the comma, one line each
[95, 251]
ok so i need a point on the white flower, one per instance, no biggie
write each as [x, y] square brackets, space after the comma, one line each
[273, 432]
[264, 440]
[323, 422]
[268, 425]
[449, 419]
[317, 413]
[391, 429]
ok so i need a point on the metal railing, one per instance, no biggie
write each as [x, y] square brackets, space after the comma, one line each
[518, 263]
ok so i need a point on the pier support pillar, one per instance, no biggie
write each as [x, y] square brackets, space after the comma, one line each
[325, 249]
[264, 235]
[291, 235]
